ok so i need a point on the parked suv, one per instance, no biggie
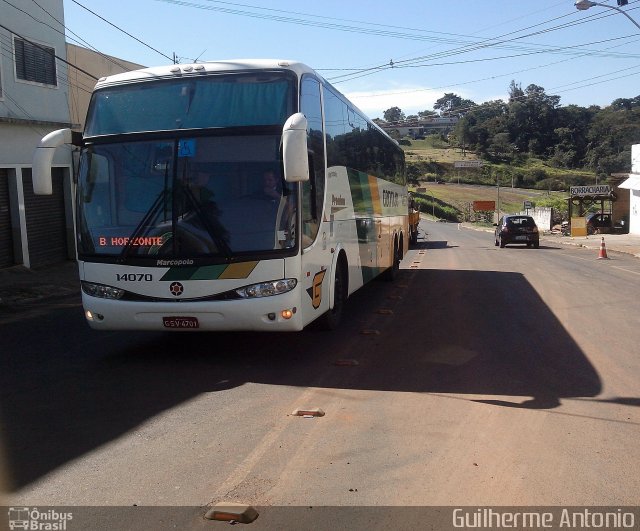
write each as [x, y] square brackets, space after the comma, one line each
[517, 229]
[598, 222]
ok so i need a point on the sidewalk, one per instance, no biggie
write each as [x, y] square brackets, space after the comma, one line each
[21, 287]
[621, 243]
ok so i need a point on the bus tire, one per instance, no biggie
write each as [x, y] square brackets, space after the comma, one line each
[332, 317]
[392, 273]
[414, 236]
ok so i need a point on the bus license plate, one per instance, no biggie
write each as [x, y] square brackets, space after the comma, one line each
[180, 322]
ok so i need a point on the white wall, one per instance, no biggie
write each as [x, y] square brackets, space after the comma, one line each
[634, 212]
[23, 99]
[28, 110]
[541, 215]
[634, 199]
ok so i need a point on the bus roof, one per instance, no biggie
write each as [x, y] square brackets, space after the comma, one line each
[199, 69]
[210, 67]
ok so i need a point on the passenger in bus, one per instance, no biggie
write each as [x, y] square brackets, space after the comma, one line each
[270, 190]
[200, 187]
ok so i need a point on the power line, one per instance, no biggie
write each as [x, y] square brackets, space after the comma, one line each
[78, 40]
[123, 31]
[273, 14]
[47, 50]
[481, 45]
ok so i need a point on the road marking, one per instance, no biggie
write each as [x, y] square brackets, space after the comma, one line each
[267, 443]
[627, 270]
[614, 267]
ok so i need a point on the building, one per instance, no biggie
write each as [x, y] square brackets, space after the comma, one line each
[632, 183]
[39, 93]
[34, 230]
[81, 85]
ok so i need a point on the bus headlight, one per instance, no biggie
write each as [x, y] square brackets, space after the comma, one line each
[266, 289]
[101, 291]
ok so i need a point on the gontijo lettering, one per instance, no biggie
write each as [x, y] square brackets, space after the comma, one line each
[389, 198]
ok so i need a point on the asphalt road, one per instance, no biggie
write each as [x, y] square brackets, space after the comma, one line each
[483, 376]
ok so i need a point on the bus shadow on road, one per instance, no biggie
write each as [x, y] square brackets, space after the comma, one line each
[432, 244]
[442, 331]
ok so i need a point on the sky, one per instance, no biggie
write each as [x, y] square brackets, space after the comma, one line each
[383, 54]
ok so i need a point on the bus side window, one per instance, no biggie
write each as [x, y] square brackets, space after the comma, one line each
[312, 190]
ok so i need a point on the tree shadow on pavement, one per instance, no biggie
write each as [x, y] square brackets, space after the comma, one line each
[66, 390]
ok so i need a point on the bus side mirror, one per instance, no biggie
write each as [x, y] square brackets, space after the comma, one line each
[294, 149]
[43, 157]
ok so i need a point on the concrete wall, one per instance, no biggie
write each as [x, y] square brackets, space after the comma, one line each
[30, 110]
[542, 215]
[96, 64]
[25, 99]
[634, 199]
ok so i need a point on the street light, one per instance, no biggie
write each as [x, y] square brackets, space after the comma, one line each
[583, 5]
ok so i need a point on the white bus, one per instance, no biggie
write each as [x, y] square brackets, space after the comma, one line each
[231, 195]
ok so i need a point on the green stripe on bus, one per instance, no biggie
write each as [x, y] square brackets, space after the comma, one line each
[212, 272]
[360, 192]
[179, 273]
[209, 272]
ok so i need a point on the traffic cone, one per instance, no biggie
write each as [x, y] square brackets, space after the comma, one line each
[603, 251]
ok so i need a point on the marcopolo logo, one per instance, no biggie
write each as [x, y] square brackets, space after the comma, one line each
[36, 519]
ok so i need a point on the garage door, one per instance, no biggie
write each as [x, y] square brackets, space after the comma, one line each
[6, 236]
[46, 227]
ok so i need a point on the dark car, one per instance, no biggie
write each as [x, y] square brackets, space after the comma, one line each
[517, 229]
[598, 222]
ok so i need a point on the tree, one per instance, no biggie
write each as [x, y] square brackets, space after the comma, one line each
[571, 140]
[500, 147]
[515, 91]
[478, 127]
[394, 114]
[451, 104]
[532, 119]
[610, 138]
[626, 104]
[427, 114]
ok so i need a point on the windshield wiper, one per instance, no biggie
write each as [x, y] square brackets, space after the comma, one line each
[221, 244]
[144, 222]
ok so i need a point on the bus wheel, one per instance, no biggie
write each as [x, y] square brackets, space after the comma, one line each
[413, 238]
[331, 319]
[391, 274]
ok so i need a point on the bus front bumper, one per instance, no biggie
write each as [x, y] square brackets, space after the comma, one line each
[278, 313]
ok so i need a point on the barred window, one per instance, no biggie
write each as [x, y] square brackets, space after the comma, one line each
[35, 63]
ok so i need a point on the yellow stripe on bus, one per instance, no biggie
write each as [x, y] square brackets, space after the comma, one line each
[241, 270]
[375, 195]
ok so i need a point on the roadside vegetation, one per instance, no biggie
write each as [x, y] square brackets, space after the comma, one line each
[530, 138]
[529, 144]
[454, 202]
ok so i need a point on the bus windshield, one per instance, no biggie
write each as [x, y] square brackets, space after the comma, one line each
[178, 167]
[212, 101]
[207, 196]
